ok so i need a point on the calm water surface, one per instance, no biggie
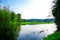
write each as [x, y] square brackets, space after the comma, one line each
[36, 32]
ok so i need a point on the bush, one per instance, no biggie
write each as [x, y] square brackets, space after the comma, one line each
[9, 25]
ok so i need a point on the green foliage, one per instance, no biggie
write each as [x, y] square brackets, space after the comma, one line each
[56, 13]
[9, 25]
[34, 23]
[54, 36]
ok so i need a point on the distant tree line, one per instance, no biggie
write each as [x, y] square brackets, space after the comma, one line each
[38, 20]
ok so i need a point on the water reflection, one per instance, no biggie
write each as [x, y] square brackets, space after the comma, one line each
[36, 32]
[31, 36]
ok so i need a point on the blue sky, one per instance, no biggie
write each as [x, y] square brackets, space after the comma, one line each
[36, 9]
[14, 4]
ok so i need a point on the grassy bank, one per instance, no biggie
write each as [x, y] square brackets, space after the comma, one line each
[54, 36]
[33, 23]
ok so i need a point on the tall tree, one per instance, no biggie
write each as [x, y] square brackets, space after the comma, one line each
[56, 13]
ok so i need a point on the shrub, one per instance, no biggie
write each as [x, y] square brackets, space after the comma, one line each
[9, 25]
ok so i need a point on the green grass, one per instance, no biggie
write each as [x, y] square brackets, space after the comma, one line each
[34, 23]
[54, 36]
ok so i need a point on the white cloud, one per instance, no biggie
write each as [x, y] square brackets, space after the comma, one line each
[34, 9]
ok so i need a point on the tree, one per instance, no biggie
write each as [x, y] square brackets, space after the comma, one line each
[56, 13]
[18, 21]
[18, 18]
[8, 25]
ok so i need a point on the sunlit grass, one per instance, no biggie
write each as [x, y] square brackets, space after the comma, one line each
[34, 23]
[54, 36]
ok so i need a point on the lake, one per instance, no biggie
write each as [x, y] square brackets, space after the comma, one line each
[36, 32]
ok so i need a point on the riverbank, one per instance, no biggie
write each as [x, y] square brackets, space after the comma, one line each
[34, 23]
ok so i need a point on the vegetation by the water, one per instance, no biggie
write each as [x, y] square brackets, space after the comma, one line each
[54, 36]
[34, 23]
[9, 24]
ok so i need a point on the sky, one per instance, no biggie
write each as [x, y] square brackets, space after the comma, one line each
[30, 9]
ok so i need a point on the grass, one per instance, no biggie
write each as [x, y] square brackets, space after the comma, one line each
[34, 23]
[54, 36]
